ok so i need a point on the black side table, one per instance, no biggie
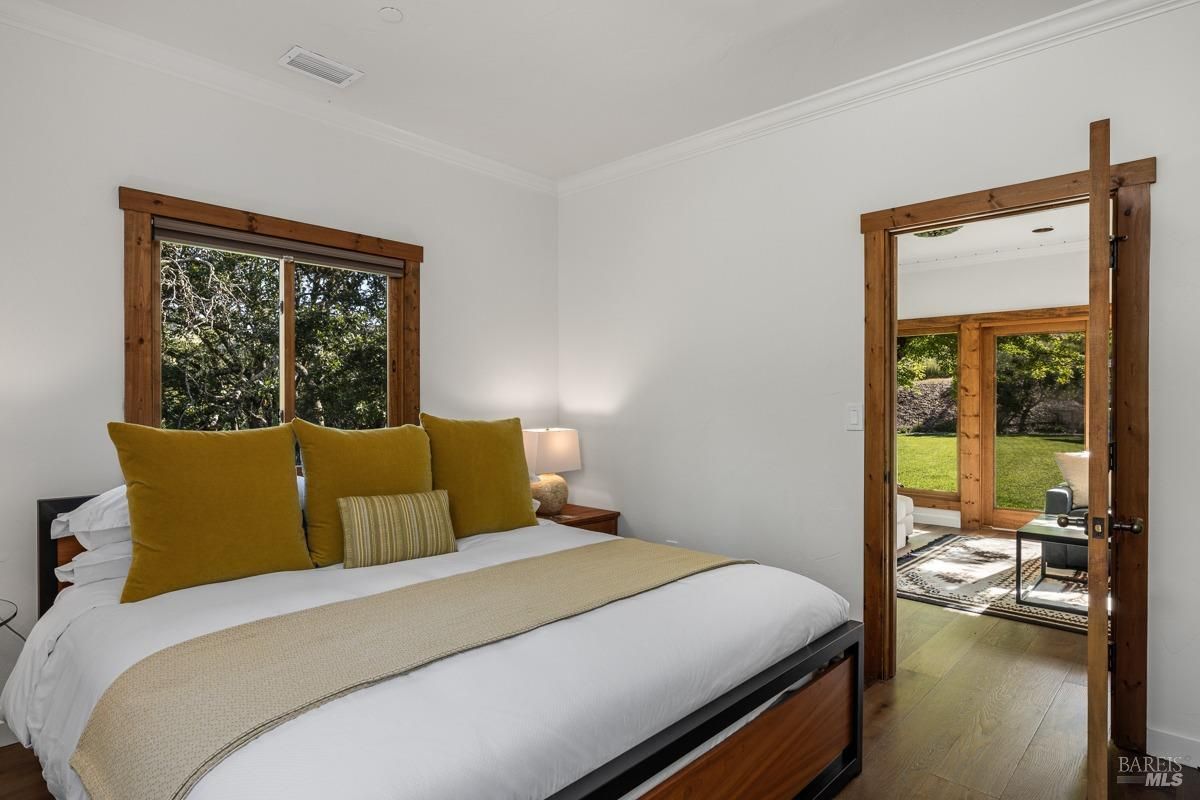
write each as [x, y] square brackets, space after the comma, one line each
[1045, 528]
[8, 612]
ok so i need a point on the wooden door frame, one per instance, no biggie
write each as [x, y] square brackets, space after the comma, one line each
[1129, 183]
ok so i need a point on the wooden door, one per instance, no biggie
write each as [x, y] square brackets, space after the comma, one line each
[1118, 439]
[1098, 413]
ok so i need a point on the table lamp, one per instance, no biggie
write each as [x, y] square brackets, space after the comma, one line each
[549, 451]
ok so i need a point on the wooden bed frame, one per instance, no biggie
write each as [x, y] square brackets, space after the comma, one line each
[807, 745]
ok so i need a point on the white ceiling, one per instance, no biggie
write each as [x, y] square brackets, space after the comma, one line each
[999, 239]
[555, 87]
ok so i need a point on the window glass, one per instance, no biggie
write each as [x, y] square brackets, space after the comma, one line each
[341, 347]
[1039, 412]
[220, 339]
[927, 412]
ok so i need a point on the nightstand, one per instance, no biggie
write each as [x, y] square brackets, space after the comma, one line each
[590, 519]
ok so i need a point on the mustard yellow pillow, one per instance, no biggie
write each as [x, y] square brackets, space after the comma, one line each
[397, 527]
[208, 506]
[341, 463]
[482, 467]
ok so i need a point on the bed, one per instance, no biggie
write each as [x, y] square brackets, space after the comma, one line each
[742, 680]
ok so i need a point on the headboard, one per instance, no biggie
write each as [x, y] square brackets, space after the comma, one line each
[53, 553]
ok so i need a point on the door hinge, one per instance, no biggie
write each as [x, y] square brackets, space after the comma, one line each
[1113, 241]
[1112, 456]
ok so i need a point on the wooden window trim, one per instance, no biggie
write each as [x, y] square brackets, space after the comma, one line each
[931, 498]
[951, 323]
[143, 301]
[287, 339]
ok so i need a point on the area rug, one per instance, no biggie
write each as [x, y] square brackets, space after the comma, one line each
[978, 573]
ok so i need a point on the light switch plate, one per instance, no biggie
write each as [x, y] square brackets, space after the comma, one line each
[854, 416]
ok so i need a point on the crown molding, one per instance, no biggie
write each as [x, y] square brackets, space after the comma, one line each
[1066, 26]
[995, 257]
[54, 23]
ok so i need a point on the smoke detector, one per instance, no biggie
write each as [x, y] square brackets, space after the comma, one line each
[319, 67]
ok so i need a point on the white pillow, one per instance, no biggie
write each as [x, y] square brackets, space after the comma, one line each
[103, 512]
[1074, 468]
[104, 519]
[93, 540]
[106, 561]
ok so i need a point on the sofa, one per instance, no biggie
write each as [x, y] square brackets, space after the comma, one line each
[1061, 500]
[904, 520]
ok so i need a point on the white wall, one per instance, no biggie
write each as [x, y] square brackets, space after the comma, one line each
[77, 124]
[1035, 282]
[711, 314]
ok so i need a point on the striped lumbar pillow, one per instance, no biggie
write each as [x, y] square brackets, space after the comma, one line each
[398, 527]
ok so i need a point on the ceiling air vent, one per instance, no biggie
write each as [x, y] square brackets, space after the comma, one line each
[320, 67]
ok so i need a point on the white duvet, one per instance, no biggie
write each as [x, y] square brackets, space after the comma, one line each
[520, 718]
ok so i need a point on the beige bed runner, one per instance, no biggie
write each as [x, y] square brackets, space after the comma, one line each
[173, 716]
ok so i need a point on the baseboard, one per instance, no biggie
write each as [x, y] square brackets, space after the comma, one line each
[1173, 745]
[937, 516]
[6, 736]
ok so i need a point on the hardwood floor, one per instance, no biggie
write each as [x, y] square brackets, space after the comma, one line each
[981, 708]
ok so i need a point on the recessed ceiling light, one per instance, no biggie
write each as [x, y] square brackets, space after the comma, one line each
[1046, 229]
[939, 232]
[391, 14]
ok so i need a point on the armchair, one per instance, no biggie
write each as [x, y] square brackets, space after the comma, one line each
[1061, 500]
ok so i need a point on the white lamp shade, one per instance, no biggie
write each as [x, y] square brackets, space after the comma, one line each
[551, 450]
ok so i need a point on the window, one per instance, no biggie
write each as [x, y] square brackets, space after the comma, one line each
[1039, 402]
[927, 412]
[220, 339]
[341, 347]
[237, 320]
[983, 402]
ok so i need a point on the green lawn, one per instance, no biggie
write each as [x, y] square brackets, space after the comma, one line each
[1025, 466]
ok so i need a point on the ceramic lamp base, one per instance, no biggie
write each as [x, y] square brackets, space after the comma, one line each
[551, 491]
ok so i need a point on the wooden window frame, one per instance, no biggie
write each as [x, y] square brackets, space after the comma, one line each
[143, 301]
[1130, 182]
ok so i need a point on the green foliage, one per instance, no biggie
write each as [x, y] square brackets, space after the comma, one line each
[930, 356]
[341, 347]
[220, 345]
[220, 339]
[1033, 368]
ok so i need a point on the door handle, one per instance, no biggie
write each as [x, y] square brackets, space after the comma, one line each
[1136, 525]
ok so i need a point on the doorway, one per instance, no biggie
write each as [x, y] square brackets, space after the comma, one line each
[1127, 186]
[990, 379]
